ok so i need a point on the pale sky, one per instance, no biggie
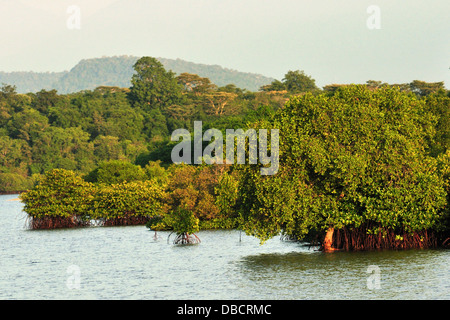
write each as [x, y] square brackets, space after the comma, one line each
[328, 39]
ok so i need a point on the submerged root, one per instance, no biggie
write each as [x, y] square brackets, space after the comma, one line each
[156, 236]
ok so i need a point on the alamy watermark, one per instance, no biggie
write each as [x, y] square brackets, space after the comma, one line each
[73, 21]
[374, 280]
[73, 282]
[251, 145]
[373, 22]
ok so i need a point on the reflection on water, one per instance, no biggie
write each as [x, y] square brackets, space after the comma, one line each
[130, 263]
[412, 274]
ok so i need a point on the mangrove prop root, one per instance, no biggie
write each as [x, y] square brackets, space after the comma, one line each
[126, 221]
[48, 222]
[186, 238]
[357, 239]
[446, 242]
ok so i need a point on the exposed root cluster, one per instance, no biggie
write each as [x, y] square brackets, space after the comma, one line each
[126, 221]
[357, 239]
[51, 222]
[186, 238]
[48, 222]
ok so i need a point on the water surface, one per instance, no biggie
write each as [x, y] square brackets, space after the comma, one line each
[130, 263]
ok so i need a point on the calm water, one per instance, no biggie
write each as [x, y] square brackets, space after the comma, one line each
[128, 263]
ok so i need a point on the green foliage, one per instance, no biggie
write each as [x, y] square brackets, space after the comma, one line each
[157, 223]
[26, 124]
[423, 88]
[276, 85]
[298, 82]
[217, 74]
[155, 172]
[152, 86]
[226, 194]
[182, 221]
[293, 82]
[195, 84]
[282, 203]
[439, 105]
[13, 182]
[127, 199]
[116, 171]
[60, 193]
[56, 147]
[444, 171]
[15, 155]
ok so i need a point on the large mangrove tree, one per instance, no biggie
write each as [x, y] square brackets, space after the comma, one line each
[354, 173]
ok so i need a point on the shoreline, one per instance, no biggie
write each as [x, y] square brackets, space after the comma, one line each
[4, 193]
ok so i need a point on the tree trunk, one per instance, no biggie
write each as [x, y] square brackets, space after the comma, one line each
[328, 241]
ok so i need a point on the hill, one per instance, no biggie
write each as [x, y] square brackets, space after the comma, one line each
[31, 81]
[117, 71]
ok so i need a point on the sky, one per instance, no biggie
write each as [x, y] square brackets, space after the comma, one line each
[333, 41]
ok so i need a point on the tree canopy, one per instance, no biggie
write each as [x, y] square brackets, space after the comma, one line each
[152, 87]
[293, 82]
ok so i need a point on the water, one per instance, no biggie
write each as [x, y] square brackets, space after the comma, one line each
[128, 263]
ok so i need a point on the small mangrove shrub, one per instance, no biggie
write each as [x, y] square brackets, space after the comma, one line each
[184, 224]
[61, 200]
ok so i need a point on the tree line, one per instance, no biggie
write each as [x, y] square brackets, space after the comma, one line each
[361, 166]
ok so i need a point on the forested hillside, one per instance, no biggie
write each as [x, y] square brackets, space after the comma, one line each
[117, 71]
[31, 81]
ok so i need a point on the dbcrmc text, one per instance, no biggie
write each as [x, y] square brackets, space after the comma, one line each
[246, 309]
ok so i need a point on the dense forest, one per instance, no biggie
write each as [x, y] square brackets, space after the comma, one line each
[361, 166]
[117, 71]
